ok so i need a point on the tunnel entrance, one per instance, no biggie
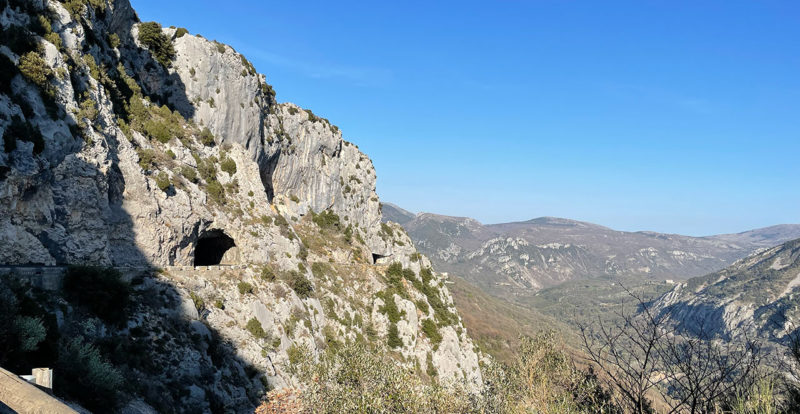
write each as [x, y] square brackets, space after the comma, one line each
[379, 259]
[214, 247]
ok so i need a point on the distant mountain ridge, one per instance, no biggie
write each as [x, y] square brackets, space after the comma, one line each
[530, 255]
[392, 212]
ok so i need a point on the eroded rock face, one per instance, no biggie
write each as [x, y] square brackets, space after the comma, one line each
[756, 297]
[111, 188]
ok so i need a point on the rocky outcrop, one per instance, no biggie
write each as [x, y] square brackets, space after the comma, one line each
[169, 150]
[755, 297]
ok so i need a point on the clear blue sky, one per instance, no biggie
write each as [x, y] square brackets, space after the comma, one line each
[673, 116]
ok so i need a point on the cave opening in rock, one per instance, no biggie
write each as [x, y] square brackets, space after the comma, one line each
[214, 247]
[376, 258]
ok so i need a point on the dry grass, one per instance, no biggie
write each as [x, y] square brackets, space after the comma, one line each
[495, 324]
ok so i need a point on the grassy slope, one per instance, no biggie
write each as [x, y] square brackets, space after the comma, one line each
[494, 323]
[584, 301]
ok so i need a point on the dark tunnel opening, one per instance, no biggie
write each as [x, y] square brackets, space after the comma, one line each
[211, 248]
[376, 257]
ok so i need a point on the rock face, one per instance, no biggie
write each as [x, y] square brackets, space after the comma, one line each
[527, 256]
[130, 147]
[756, 295]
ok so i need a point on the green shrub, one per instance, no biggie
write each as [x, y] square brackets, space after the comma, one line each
[162, 181]
[331, 343]
[301, 285]
[113, 40]
[244, 288]
[55, 39]
[88, 110]
[430, 368]
[393, 337]
[94, 70]
[394, 275]
[206, 137]
[207, 170]
[297, 354]
[216, 192]
[386, 229]
[357, 378]
[422, 306]
[267, 273]
[431, 331]
[85, 376]
[311, 116]
[326, 220]
[199, 303]
[35, 69]
[40, 26]
[180, 32]
[543, 378]
[76, 7]
[348, 234]
[441, 312]
[30, 332]
[155, 129]
[267, 90]
[219, 304]
[100, 290]
[389, 308]
[228, 165]
[254, 327]
[171, 154]
[147, 158]
[157, 42]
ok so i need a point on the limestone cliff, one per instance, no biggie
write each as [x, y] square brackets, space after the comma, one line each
[133, 146]
[756, 297]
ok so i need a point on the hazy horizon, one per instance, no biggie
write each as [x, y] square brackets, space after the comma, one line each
[671, 117]
[574, 219]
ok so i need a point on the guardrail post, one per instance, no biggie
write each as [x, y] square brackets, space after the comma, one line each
[43, 377]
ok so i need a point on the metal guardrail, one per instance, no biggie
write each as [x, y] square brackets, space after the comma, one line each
[23, 397]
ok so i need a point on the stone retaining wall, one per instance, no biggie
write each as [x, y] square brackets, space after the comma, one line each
[52, 277]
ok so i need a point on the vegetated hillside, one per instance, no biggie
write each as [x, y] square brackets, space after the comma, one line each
[497, 325]
[392, 212]
[517, 258]
[758, 296]
[764, 237]
[142, 151]
[587, 301]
